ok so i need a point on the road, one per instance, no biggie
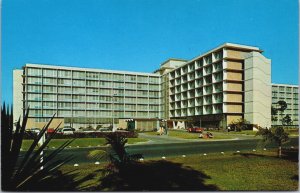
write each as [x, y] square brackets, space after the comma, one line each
[176, 149]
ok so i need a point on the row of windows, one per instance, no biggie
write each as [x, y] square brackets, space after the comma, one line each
[287, 95]
[117, 94]
[53, 89]
[64, 113]
[88, 83]
[89, 75]
[284, 89]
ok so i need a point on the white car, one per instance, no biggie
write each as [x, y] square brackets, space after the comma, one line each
[67, 131]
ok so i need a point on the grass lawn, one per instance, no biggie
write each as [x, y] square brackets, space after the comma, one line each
[250, 171]
[187, 135]
[81, 142]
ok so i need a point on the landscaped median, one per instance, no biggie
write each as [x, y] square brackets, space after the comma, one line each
[230, 171]
[80, 142]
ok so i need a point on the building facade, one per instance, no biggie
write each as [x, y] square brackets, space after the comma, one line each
[214, 89]
[81, 97]
[289, 94]
[221, 86]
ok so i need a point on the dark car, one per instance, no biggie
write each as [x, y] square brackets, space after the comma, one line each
[195, 129]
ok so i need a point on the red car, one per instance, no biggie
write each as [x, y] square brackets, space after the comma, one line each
[195, 129]
[50, 130]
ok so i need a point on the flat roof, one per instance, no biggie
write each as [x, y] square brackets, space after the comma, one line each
[225, 45]
[289, 85]
[88, 69]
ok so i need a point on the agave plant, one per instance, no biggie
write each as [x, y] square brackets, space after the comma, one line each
[118, 155]
[27, 173]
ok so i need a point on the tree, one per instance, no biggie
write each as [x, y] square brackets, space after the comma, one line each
[240, 124]
[277, 135]
[26, 174]
[274, 114]
[287, 120]
[282, 106]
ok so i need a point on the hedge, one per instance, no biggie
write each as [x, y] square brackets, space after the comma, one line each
[126, 134]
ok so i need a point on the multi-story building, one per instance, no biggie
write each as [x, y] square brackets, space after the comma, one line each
[289, 94]
[82, 96]
[221, 86]
[214, 89]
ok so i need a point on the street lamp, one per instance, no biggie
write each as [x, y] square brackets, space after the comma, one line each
[113, 112]
[165, 126]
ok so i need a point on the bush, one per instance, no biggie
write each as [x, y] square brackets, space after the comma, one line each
[125, 134]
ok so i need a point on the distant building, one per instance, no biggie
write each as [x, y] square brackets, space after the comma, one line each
[289, 94]
[214, 89]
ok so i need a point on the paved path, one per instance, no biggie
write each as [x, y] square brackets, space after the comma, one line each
[164, 139]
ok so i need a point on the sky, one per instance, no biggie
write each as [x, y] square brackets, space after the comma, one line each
[138, 35]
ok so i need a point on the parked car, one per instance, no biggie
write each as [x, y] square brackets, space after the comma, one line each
[88, 130]
[33, 130]
[195, 129]
[50, 130]
[105, 129]
[66, 131]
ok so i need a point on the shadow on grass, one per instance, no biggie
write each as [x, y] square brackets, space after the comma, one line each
[156, 176]
[249, 155]
[287, 154]
[290, 154]
[59, 182]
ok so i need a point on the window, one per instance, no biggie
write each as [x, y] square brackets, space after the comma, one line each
[92, 75]
[92, 91]
[129, 100]
[92, 98]
[105, 76]
[142, 79]
[80, 98]
[49, 73]
[64, 97]
[32, 96]
[31, 88]
[142, 86]
[154, 79]
[281, 88]
[49, 81]
[153, 93]
[64, 105]
[78, 83]
[78, 75]
[34, 104]
[34, 80]
[130, 86]
[79, 90]
[92, 83]
[34, 72]
[118, 77]
[61, 81]
[64, 90]
[49, 89]
[64, 74]
[49, 97]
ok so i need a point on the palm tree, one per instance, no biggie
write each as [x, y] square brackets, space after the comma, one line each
[279, 136]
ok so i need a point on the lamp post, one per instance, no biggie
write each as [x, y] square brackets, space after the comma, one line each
[113, 112]
[165, 126]
[41, 142]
